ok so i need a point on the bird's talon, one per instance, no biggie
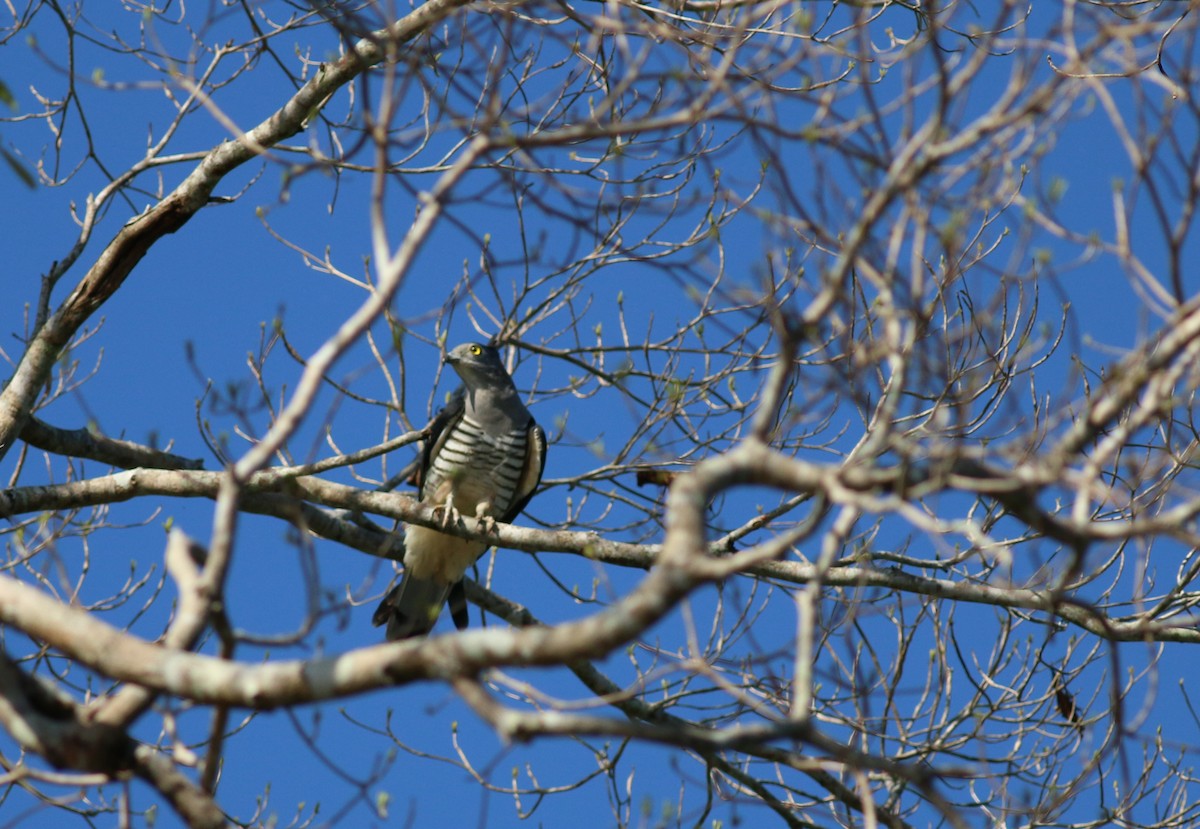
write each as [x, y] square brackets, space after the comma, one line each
[446, 514]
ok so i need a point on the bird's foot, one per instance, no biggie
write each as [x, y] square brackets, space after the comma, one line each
[449, 515]
[487, 524]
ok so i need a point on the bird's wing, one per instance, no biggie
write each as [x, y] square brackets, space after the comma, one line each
[531, 473]
[439, 430]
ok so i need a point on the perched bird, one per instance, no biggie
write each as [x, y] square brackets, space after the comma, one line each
[484, 457]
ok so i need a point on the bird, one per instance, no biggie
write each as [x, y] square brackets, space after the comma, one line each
[484, 457]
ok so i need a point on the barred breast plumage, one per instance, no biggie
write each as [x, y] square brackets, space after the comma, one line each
[479, 468]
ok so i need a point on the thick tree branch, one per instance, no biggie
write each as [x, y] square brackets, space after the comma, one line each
[83, 443]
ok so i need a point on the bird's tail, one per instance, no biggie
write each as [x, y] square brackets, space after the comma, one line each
[411, 608]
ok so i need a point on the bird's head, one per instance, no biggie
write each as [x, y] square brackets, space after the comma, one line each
[478, 365]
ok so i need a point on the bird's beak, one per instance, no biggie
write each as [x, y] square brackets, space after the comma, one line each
[452, 358]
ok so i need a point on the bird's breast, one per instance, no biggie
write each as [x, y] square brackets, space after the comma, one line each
[477, 466]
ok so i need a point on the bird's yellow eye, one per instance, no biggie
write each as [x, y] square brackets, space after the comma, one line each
[476, 350]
